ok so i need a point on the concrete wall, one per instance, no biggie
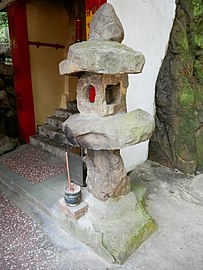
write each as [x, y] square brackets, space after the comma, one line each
[47, 22]
[147, 25]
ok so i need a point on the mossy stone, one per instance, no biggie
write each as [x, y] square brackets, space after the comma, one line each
[178, 133]
[122, 236]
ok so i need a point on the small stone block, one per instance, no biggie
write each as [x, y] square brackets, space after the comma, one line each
[75, 212]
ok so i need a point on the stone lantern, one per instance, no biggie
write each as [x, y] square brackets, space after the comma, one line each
[103, 127]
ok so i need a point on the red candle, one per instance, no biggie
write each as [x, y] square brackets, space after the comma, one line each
[78, 30]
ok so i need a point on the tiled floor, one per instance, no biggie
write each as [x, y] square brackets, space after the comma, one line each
[33, 164]
[24, 245]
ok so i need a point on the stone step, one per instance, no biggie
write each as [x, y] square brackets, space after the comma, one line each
[55, 121]
[52, 146]
[63, 113]
[77, 166]
[48, 145]
[52, 132]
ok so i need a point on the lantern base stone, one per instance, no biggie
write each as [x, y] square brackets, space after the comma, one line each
[116, 227]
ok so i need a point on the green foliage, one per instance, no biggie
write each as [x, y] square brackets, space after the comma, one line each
[197, 7]
[3, 19]
[198, 70]
[4, 27]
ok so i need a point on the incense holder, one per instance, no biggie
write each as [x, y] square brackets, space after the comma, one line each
[73, 198]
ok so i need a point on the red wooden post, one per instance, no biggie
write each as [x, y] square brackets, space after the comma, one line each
[22, 73]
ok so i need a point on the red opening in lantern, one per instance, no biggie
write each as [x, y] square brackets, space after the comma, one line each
[92, 94]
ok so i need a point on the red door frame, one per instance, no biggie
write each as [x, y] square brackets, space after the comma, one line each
[22, 73]
[21, 63]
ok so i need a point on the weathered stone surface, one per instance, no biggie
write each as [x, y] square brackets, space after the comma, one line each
[7, 144]
[101, 64]
[105, 25]
[110, 93]
[3, 95]
[106, 174]
[4, 102]
[6, 70]
[123, 222]
[104, 57]
[2, 85]
[199, 144]
[113, 132]
[8, 123]
[177, 141]
[10, 90]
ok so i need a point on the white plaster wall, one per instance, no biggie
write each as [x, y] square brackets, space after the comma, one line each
[147, 25]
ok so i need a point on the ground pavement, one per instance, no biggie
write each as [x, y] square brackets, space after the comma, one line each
[29, 239]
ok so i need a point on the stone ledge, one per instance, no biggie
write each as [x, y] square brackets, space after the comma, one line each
[124, 223]
[115, 228]
[104, 57]
[113, 132]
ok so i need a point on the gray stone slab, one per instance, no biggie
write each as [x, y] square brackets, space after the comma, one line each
[113, 132]
[49, 145]
[102, 57]
[56, 184]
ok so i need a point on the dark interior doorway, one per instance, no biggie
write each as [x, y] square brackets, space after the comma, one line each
[9, 131]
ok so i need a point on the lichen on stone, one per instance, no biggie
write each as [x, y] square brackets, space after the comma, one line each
[177, 141]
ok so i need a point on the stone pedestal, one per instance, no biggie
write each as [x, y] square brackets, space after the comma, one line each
[114, 228]
[106, 174]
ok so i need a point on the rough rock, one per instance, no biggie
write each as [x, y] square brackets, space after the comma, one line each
[7, 144]
[178, 138]
[6, 70]
[104, 57]
[10, 90]
[3, 95]
[2, 86]
[8, 123]
[113, 132]
[4, 102]
[105, 25]
[123, 222]
[106, 174]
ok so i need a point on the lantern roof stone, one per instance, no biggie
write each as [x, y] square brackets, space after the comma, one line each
[103, 57]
